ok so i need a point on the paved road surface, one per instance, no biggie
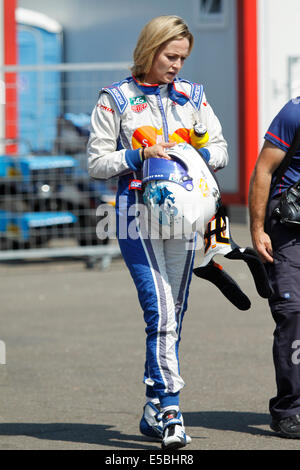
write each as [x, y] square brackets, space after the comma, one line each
[75, 354]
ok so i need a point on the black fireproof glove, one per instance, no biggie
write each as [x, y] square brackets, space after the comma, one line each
[215, 273]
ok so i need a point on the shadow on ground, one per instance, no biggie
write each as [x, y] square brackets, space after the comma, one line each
[108, 436]
[243, 422]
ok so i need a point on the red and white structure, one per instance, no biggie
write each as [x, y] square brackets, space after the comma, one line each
[268, 75]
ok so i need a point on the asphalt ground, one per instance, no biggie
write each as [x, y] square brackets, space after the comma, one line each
[75, 355]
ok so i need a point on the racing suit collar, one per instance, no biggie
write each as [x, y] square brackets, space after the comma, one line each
[154, 89]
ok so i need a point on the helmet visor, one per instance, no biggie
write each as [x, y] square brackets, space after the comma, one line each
[155, 169]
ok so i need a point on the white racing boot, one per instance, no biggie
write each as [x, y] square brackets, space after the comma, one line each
[174, 435]
[151, 423]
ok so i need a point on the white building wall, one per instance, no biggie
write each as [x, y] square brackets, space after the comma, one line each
[278, 39]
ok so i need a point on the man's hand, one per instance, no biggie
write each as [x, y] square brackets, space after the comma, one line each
[269, 159]
[262, 244]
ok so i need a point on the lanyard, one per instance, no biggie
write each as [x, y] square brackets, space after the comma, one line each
[163, 115]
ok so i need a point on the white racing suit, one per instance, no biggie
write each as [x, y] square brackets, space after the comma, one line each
[130, 115]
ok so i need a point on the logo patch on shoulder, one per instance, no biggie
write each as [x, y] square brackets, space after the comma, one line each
[106, 108]
[138, 104]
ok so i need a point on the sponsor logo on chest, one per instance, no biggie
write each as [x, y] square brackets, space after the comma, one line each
[138, 103]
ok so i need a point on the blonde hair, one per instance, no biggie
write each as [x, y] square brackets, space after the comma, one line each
[153, 36]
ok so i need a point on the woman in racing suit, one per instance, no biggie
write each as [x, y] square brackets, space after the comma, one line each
[138, 118]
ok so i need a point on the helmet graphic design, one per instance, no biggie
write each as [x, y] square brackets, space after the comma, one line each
[220, 242]
[181, 194]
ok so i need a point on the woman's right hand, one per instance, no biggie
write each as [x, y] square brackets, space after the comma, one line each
[158, 150]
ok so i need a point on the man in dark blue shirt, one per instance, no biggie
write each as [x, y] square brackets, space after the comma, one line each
[279, 247]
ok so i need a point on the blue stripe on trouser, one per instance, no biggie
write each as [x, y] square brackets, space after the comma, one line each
[163, 290]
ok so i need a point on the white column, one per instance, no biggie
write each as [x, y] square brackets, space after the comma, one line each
[264, 91]
[278, 41]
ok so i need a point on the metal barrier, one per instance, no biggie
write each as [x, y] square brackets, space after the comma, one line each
[48, 202]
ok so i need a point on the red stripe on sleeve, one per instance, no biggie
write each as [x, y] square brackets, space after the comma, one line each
[277, 138]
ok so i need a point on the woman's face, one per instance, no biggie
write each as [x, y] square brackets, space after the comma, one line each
[168, 62]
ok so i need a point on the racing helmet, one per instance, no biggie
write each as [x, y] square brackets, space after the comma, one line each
[181, 194]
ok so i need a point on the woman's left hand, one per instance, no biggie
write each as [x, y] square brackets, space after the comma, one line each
[158, 150]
